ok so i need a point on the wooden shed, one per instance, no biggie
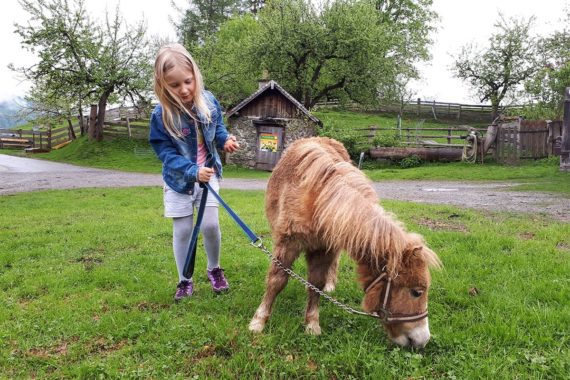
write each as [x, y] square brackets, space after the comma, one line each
[265, 123]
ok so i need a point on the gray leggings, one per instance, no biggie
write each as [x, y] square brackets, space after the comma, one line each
[182, 232]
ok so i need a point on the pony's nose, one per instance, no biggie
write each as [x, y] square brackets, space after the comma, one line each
[419, 336]
[418, 343]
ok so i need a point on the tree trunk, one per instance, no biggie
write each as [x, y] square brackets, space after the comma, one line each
[71, 131]
[82, 126]
[495, 111]
[490, 137]
[101, 114]
[92, 122]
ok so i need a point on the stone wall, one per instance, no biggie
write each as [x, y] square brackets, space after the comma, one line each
[245, 131]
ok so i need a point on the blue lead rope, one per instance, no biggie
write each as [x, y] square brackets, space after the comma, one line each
[250, 234]
[191, 257]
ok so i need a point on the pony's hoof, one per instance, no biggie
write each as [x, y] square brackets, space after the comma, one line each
[256, 325]
[313, 328]
[329, 287]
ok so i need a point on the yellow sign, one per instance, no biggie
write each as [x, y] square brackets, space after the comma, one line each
[268, 142]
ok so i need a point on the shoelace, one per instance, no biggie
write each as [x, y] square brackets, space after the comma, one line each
[218, 274]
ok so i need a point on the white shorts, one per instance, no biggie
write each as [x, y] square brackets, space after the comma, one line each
[178, 205]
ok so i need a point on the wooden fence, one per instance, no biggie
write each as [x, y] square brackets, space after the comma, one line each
[524, 139]
[431, 109]
[37, 139]
[418, 136]
[133, 129]
[515, 139]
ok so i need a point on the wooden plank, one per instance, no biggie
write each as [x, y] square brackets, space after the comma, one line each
[15, 140]
[428, 154]
[61, 145]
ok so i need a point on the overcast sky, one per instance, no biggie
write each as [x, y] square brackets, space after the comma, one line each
[461, 22]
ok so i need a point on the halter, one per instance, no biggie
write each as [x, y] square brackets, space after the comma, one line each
[383, 313]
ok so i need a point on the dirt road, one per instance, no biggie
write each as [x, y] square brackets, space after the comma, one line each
[24, 174]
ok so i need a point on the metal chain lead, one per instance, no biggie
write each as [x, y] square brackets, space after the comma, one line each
[259, 244]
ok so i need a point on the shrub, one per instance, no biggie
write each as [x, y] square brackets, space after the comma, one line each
[349, 139]
[386, 140]
[412, 161]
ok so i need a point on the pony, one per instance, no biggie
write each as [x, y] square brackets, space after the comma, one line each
[319, 203]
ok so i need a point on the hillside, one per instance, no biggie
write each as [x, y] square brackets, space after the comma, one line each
[8, 114]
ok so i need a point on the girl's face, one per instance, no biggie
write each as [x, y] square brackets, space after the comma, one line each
[180, 81]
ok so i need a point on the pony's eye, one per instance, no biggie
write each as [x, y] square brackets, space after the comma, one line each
[416, 292]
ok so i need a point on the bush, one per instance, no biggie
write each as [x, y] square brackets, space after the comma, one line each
[412, 161]
[386, 140]
[349, 139]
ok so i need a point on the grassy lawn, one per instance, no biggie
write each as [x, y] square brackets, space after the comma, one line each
[87, 278]
[137, 156]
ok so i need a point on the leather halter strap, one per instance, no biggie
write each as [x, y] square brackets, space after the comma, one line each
[383, 313]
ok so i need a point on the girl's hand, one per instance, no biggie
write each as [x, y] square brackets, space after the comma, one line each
[204, 174]
[231, 144]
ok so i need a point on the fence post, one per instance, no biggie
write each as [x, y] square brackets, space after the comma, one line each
[565, 145]
[459, 113]
[419, 106]
[49, 137]
[92, 121]
[128, 126]
[449, 135]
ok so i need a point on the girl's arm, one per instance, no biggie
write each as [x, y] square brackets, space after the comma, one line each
[167, 152]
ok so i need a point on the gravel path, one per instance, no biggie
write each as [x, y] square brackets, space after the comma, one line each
[19, 174]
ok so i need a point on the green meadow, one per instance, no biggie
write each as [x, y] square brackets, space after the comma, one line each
[87, 278]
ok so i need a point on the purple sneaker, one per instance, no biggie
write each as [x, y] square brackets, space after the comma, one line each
[218, 280]
[183, 289]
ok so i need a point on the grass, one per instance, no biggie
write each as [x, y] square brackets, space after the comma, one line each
[121, 154]
[137, 156]
[539, 175]
[87, 277]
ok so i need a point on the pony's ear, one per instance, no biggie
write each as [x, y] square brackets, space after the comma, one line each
[433, 261]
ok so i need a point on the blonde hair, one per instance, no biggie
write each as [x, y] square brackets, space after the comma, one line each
[168, 57]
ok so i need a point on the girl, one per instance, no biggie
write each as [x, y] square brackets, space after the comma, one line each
[186, 127]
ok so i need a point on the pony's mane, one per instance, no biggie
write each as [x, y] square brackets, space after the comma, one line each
[347, 214]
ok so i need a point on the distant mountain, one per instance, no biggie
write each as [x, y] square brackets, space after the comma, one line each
[8, 114]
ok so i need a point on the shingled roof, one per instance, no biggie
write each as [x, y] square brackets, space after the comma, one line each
[270, 86]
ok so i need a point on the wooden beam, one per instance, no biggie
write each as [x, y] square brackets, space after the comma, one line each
[427, 154]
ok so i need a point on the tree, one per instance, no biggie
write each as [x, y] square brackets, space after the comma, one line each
[498, 71]
[202, 18]
[81, 61]
[226, 60]
[347, 49]
[547, 86]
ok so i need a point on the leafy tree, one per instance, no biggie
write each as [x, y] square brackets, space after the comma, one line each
[547, 86]
[346, 49]
[498, 71]
[81, 61]
[202, 18]
[226, 61]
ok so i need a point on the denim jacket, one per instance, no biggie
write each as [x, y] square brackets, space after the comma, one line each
[179, 156]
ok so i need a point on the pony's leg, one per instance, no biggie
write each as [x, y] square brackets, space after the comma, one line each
[319, 266]
[330, 285]
[276, 279]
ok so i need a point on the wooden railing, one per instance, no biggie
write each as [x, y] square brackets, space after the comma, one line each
[38, 139]
[417, 136]
[431, 109]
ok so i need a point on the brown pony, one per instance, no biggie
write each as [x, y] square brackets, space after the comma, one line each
[319, 203]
